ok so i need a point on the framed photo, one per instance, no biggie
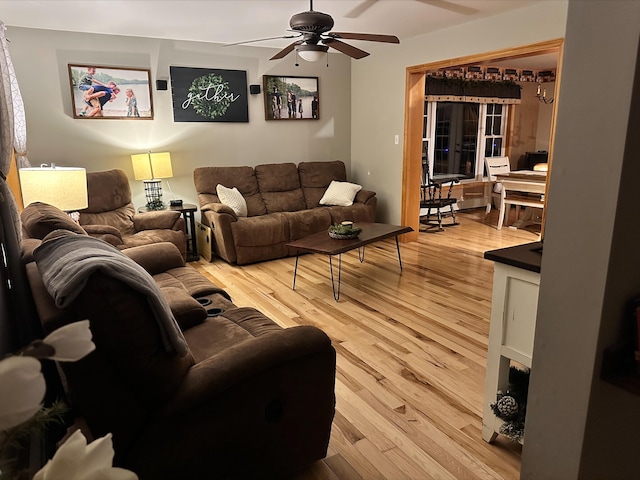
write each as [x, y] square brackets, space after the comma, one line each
[110, 92]
[291, 98]
[209, 95]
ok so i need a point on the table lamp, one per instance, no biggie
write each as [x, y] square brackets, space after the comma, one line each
[62, 187]
[151, 168]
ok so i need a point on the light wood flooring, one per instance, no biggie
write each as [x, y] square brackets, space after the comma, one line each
[411, 349]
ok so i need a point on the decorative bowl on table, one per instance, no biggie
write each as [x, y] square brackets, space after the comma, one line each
[344, 231]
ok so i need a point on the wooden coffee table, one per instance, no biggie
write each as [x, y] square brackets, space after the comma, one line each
[321, 242]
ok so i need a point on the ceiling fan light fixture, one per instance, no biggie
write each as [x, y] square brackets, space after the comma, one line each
[312, 53]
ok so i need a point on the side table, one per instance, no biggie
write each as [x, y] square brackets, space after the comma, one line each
[187, 210]
[514, 306]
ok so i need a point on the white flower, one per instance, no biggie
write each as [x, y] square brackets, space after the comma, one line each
[22, 386]
[75, 460]
[71, 342]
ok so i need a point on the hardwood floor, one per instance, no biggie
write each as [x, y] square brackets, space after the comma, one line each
[411, 349]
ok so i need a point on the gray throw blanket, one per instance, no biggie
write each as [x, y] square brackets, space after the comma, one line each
[66, 263]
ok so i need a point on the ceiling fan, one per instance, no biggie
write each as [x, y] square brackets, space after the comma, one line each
[314, 37]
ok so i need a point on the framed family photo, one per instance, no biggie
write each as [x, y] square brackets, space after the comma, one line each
[110, 92]
[291, 98]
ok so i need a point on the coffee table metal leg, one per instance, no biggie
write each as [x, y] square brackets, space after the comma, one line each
[336, 294]
[361, 254]
[398, 248]
[295, 273]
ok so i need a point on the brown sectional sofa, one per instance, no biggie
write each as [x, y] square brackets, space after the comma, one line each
[248, 399]
[283, 205]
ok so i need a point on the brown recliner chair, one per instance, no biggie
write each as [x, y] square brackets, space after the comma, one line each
[112, 217]
[248, 399]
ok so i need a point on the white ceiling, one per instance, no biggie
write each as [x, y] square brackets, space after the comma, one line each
[229, 21]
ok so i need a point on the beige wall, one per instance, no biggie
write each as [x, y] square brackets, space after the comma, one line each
[531, 125]
[579, 426]
[40, 58]
[525, 125]
[378, 88]
[545, 112]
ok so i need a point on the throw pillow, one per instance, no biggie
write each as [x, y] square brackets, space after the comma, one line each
[340, 193]
[231, 197]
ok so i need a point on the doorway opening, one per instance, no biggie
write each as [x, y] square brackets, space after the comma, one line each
[415, 112]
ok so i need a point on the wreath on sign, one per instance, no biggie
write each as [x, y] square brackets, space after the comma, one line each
[210, 95]
[511, 406]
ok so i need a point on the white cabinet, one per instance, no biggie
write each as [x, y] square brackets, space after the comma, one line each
[513, 322]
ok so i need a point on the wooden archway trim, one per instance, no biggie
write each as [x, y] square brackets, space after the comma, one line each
[13, 181]
[414, 107]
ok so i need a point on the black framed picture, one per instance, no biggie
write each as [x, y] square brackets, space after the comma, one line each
[291, 98]
[110, 92]
[209, 95]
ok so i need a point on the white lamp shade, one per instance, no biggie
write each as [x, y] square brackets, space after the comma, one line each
[62, 187]
[312, 53]
[147, 166]
[161, 165]
[141, 166]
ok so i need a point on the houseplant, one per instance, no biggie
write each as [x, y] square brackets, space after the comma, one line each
[344, 230]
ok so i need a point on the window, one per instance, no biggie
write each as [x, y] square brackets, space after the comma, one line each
[426, 134]
[458, 136]
[493, 131]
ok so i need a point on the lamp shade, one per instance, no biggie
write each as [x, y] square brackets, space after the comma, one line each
[312, 53]
[147, 166]
[161, 165]
[141, 166]
[62, 187]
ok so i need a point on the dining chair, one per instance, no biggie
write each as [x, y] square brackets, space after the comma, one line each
[495, 165]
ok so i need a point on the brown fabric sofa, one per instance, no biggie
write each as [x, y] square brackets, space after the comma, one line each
[248, 400]
[282, 203]
[112, 216]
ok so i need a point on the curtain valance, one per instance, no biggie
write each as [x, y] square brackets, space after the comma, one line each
[474, 91]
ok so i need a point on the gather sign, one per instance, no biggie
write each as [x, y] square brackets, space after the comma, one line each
[209, 95]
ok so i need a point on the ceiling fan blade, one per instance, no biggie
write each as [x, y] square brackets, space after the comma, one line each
[371, 37]
[453, 7]
[261, 40]
[345, 48]
[285, 51]
[360, 9]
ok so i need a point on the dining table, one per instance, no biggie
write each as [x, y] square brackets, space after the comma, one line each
[522, 188]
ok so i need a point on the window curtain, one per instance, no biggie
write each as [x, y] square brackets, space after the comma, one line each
[440, 89]
[13, 135]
